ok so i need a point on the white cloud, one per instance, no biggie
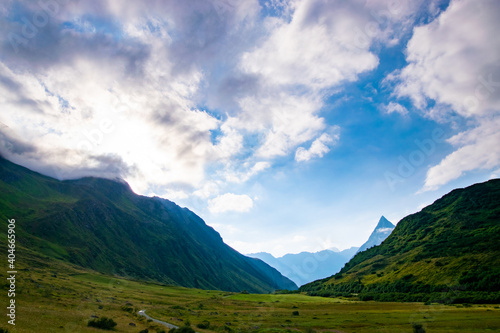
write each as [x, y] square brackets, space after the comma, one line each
[477, 148]
[318, 148]
[283, 119]
[237, 173]
[207, 190]
[316, 48]
[316, 55]
[172, 194]
[393, 107]
[384, 230]
[230, 202]
[230, 143]
[454, 61]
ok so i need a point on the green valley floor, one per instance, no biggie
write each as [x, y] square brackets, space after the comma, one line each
[65, 299]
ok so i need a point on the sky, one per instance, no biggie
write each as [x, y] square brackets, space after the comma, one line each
[287, 125]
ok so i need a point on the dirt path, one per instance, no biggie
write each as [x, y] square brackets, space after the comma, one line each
[143, 313]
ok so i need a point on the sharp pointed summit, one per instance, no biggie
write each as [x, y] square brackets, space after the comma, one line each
[384, 223]
[379, 234]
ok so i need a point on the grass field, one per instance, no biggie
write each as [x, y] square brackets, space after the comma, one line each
[64, 299]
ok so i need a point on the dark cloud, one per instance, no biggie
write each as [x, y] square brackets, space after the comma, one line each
[238, 86]
[178, 131]
[206, 33]
[10, 84]
[167, 114]
[201, 34]
[18, 96]
[35, 39]
[226, 93]
[104, 166]
[12, 146]
[53, 162]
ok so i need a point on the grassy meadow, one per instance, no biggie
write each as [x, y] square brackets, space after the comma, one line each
[62, 298]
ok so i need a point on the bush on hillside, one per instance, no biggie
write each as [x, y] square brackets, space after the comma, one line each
[102, 323]
[418, 328]
[204, 325]
[183, 329]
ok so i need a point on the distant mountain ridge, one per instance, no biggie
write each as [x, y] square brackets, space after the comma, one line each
[305, 267]
[102, 225]
[448, 252]
[379, 234]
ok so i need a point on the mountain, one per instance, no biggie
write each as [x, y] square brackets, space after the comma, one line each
[102, 225]
[305, 267]
[379, 234]
[448, 252]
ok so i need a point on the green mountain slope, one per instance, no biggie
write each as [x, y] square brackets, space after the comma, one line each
[102, 225]
[449, 251]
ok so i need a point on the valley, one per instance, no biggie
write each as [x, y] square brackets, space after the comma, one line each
[74, 265]
[225, 166]
[63, 298]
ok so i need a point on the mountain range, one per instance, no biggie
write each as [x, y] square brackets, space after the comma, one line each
[448, 252]
[305, 267]
[100, 224]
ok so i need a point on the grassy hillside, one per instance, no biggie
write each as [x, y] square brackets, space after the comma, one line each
[54, 296]
[449, 252]
[102, 225]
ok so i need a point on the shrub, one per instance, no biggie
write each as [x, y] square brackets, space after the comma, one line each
[204, 325]
[102, 323]
[295, 313]
[4, 330]
[127, 308]
[417, 328]
[366, 297]
[178, 307]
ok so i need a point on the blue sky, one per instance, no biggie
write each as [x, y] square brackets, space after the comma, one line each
[288, 125]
